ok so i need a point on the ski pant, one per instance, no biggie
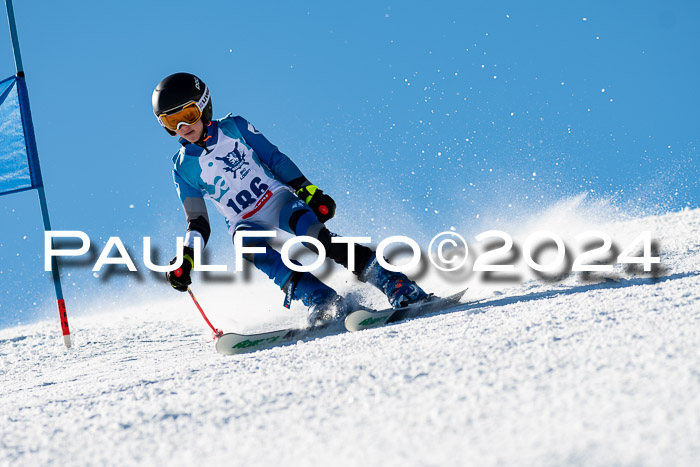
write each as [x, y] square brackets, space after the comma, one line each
[287, 212]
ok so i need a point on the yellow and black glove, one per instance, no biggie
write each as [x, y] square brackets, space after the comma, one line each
[180, 278]
[320, 203]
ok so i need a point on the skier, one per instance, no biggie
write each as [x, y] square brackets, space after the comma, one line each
[256, 187]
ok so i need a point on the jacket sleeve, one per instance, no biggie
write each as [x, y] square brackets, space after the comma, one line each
[195, 211]
[282, 166]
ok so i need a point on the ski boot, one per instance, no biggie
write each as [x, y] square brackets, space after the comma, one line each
[328, 309]
[399, 289]
[323, 302]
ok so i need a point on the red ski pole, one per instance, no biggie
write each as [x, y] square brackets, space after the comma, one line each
[217, 332]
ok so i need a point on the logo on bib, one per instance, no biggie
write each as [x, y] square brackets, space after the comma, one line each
[234, 161]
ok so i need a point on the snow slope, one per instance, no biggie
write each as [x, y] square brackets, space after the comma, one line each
[571, 372]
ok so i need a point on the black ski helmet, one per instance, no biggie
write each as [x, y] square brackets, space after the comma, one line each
[177, 90]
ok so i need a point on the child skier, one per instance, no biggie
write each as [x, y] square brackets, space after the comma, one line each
[256, 187]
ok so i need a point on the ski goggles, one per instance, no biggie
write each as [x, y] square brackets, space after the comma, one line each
[186, 114]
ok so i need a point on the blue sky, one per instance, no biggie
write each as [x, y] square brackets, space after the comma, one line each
[415, 117]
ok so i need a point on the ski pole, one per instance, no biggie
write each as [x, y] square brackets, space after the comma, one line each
[217, 332]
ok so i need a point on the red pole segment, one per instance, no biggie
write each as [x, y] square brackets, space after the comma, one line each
[217, 333]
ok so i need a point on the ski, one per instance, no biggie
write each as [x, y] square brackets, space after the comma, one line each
[232, 343]
[366, 319]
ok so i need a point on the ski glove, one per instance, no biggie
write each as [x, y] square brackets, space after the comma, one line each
[180, 278]
[321, 204]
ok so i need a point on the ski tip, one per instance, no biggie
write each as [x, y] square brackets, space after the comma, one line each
[461, 293]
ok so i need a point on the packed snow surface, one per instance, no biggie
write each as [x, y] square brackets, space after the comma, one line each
[572, 372]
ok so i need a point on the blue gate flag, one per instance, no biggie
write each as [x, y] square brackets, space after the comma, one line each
[19, 163]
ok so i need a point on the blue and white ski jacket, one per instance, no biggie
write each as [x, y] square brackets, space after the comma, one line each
[238, 171]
